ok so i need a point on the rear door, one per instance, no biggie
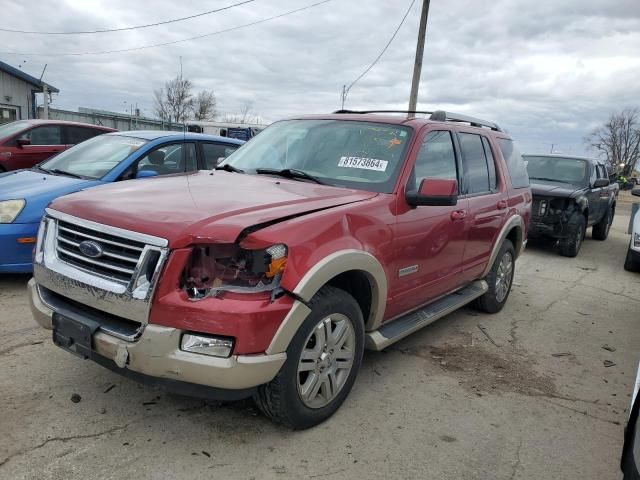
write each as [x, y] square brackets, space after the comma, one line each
[429, 240]
[488, 200]
[44, 142]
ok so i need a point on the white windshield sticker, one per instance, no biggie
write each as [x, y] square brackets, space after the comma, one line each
[363, 163]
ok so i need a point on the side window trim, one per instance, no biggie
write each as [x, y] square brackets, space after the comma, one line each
[466, 194]
[456, 152]
[486, 143]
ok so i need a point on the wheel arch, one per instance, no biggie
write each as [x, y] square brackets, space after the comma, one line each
[513, 230]
[346, 269]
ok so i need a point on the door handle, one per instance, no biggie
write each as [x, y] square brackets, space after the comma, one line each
[502, 204]
[458, 214]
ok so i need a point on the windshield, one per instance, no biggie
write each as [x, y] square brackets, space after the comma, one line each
[558, 169]
[11, 128]
[351, 154]
[95, 157]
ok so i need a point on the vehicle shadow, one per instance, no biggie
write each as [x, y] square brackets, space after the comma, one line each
[12, 280]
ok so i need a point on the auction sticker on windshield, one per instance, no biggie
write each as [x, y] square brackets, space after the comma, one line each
[363, 163]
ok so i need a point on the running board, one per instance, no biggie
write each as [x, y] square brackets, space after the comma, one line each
[397, 329]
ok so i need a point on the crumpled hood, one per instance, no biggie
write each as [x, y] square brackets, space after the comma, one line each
[543, 188]
[186, 209]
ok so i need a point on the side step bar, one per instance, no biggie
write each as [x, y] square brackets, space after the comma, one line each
[397, 329]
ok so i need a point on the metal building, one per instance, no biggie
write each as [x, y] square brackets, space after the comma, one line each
[18, 94]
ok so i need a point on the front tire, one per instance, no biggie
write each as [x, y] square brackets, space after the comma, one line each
[322, 363]
[500, 280]
[570, 246]
[601, 229]
[631, 264]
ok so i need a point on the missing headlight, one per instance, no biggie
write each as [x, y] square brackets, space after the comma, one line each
[216, 268]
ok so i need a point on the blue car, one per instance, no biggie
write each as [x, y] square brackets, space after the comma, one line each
[112, 157]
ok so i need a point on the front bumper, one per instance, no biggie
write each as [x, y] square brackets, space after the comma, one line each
[551, 228]
[16, 257]
[156, 354]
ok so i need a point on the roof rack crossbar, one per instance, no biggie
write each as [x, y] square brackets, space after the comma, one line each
[437, 115]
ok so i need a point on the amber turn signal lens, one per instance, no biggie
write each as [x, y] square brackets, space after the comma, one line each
[276, 266]
[27, 240]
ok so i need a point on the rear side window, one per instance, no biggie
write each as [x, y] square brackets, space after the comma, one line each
[436, 159]
[45, 135]
[474, 161]
[214, 152]
[80, 134]
[515, 164]
[490, 163]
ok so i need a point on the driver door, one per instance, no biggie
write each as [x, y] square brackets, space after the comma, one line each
[429, 240]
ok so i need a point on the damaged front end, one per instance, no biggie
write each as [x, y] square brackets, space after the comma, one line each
[216, 268]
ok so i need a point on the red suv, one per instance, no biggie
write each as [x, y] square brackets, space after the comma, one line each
[27, 142]
[268, 276]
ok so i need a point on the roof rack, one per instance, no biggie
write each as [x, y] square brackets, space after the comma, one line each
[436, 115]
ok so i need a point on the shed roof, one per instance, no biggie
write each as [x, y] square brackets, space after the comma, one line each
[5, 67]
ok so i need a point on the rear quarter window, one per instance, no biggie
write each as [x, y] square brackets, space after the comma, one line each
[515, 163]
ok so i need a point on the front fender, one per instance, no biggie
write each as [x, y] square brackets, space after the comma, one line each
[319, 275]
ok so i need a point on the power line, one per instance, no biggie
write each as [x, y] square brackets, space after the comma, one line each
[345, 90]
[106, 30]
[143, 47]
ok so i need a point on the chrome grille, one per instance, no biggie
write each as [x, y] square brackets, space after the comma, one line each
[119, 257]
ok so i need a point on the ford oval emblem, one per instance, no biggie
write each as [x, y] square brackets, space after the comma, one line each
[91, 249]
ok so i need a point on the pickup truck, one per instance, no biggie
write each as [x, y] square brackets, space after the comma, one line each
[570, 194]
[269, 275]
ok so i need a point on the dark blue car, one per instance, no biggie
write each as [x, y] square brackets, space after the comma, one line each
[112, 157]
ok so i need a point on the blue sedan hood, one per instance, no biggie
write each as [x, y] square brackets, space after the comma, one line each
[38, 189]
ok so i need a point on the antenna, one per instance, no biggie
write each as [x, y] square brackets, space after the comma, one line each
[42, 74]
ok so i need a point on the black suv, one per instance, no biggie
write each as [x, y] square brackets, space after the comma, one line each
[570, 194]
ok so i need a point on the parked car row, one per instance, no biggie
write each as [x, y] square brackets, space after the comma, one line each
[268, 274]
[112, 157]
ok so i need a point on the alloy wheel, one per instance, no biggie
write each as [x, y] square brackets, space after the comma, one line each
[504, 276]
[326, 360]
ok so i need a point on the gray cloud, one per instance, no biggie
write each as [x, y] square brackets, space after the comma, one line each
[547, 71]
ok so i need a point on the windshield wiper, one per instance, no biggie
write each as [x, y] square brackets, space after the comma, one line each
[229, 168]
[547, 179]
[290, 173]
[38, 167]
[62, 172]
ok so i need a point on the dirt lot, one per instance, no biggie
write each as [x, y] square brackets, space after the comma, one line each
[529, 399]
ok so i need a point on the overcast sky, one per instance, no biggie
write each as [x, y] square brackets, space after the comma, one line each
[548, 71]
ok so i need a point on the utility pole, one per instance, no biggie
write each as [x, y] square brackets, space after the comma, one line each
[417, 67]
[45, 94]
[343, 95]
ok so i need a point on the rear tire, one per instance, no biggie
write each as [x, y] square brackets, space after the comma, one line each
[601, 229]
[570, 247]
[322, 363]
[630, 263]
[500, 280]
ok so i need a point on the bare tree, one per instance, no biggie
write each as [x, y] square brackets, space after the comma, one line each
[204, 106]
[174, 102]
[619, 140]
[246, 115]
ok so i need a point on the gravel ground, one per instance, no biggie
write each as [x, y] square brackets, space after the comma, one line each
[524, 394]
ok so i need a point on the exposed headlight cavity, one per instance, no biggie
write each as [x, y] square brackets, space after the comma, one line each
[10, 209]
[216, 268]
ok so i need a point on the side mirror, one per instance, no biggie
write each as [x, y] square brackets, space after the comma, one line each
[636, 192]
[434, 192]
[601, 182]
[146, 174]
[21, 142]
